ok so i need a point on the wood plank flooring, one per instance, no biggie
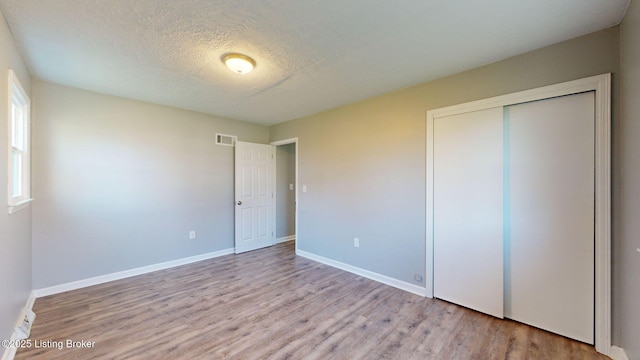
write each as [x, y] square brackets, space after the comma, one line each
[271, 304]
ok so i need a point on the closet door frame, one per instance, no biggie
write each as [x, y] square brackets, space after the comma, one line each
[601, 85]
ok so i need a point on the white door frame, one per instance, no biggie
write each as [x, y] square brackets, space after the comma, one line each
[287, 142]
[601, 85]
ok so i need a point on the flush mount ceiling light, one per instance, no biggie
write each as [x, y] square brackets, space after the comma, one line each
[238, 63]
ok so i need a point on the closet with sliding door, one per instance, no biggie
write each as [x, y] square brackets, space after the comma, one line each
[518, 200]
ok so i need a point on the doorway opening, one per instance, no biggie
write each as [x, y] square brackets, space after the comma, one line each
[286, 190]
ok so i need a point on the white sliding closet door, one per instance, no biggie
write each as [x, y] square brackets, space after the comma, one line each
[549, 257]
[468, 216]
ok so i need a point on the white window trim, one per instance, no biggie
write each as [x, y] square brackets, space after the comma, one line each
[15, 90]
[14, 208]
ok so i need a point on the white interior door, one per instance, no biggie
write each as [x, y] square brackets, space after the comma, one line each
[549, 262]
[254, 189]
[468, 210]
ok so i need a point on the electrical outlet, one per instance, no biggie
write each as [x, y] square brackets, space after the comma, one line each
[290, 186]
[417, 277]
[356, 242]
[192, 235]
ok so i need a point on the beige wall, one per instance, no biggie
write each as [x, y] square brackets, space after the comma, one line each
[364, 164]
[120, 183]
[626, 235]
[15, 229]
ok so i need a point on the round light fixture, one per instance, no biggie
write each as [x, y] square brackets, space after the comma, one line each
[238, 63]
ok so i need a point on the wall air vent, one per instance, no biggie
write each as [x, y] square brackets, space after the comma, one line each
[228, 140]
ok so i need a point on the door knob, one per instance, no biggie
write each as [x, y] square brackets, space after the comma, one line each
[239, 202]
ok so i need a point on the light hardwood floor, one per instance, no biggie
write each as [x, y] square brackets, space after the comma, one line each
[270, 304]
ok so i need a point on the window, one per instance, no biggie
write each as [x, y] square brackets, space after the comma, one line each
[19, 146]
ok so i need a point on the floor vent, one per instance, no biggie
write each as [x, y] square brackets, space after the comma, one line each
[228, 140]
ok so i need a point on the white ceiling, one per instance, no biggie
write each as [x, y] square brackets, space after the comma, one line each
[312, 55]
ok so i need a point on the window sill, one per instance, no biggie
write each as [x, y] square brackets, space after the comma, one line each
[13, 208]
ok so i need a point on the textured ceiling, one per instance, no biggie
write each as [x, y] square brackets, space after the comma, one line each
[312, 55]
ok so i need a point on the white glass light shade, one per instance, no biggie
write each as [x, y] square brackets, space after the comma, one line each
[238, 63]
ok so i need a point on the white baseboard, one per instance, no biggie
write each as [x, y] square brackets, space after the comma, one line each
[127, 273]
[418, 290]
[618, 353]
[10, 352]
[285, 239]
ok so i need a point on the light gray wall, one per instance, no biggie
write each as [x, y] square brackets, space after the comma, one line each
[286, 199]
[626, 285]
[119, 183]
[364, 164]
[15, 229]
